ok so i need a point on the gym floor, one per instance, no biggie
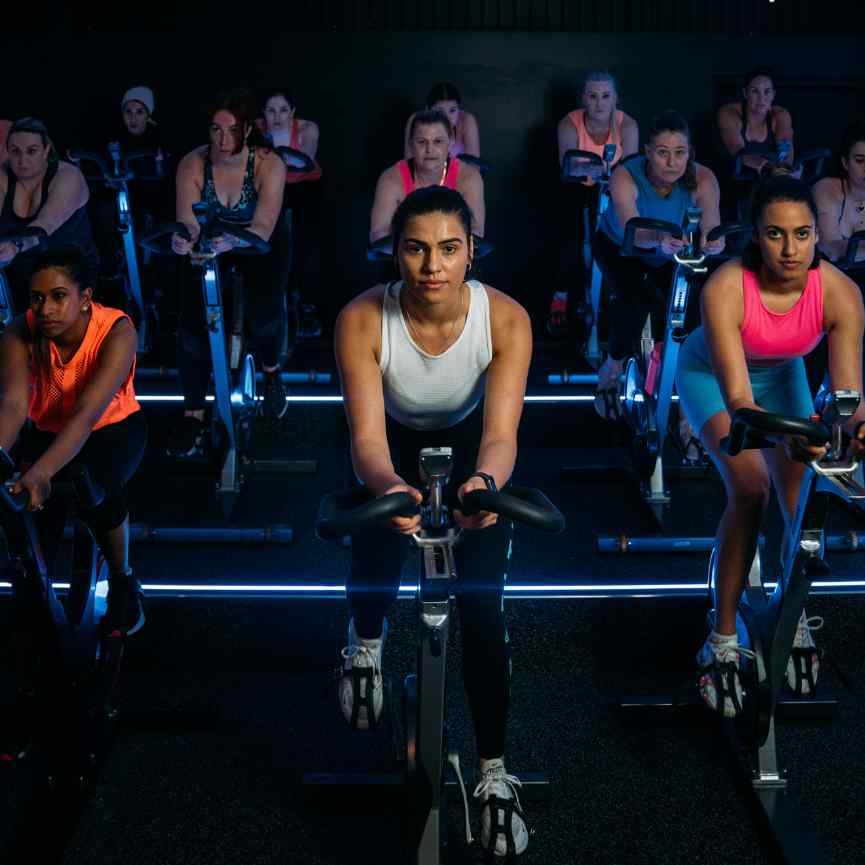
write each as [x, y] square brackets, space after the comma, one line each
[225, 702]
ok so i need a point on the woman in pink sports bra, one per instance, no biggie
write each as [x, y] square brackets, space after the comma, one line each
[445, 97]
[760, 316]
[430, 164]
[300, 248]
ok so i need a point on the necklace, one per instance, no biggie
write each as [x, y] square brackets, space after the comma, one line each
[414, 331]
[858, 206]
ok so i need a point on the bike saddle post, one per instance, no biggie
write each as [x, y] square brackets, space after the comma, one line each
[436, 465]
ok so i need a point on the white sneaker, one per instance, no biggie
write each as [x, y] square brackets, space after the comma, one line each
[803, 666]
[497, 792]
[361, 686]
[718, 668]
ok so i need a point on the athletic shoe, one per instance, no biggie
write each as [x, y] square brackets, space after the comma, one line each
[188, 440]
[503, 828]
[803, 666]
[275, 400]
[557, 319]
[125, 606]
[361, 685]
[719, 673]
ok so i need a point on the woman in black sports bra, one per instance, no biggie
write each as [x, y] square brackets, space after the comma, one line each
[39, 191]
[841, 199]
[244, 180]
[756, 126]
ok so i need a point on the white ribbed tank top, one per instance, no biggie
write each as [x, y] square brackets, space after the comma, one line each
[424, 391]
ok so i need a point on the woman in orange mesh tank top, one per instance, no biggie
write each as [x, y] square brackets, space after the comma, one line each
[67, 367]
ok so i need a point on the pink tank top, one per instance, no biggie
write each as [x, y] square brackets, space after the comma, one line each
[586, 142]
[776, 336]
[408, 184]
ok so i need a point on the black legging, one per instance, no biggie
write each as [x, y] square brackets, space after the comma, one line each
[481, 557]
[636, 289]
[111, 455]
[264, 308]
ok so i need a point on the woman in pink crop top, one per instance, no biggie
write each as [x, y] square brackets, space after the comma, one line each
[431, 137]
[760, 316]
[444, 97]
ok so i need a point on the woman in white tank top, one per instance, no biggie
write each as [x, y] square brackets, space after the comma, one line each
[417, 358]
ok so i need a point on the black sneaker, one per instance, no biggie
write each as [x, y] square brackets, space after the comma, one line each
[274, 400]
[188, 440]
[308, 325]
[125, 611]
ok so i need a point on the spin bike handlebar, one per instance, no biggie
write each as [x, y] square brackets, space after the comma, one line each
[848, 261]
[635, 223]
[524, 505]
[285, 153]
[24, 234]
[111, 177]
[751, 428]
[73, 481]
[352, 511]
[475, 161]
[382, 249]
[159, 241]
[584, 156]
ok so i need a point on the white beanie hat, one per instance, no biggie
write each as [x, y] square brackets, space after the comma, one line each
[144, 95]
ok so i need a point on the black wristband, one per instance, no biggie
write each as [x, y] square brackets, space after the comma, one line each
[489, 480]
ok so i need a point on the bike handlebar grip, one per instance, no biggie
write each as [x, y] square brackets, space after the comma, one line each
[635, 223]
[308, 164]
[27, 231]
[381, 249]
[584, 156]
[152, 240]
[14, 502]
[257, 246]
[522, 504]
[750, 429]
[351, 511]
[726, 229]
[475, 161]
[849, 259]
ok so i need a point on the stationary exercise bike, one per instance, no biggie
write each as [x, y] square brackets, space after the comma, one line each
[426, 748]
[766, 622]
[649, 377]
[233, 373]
[69, 663]
[117, 179]
[574, 165]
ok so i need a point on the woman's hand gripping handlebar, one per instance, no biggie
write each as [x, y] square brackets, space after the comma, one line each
[210, 240]
[521, 504]
[351, 512]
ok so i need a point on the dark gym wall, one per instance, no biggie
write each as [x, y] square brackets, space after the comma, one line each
[361, 86]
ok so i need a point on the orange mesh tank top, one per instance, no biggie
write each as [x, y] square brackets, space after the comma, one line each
[54, 392]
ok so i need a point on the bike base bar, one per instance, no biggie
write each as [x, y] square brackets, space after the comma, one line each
[848, 543]
[270, 534]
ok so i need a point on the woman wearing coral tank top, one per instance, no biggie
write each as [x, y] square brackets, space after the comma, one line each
[67, 366]
[760, 316]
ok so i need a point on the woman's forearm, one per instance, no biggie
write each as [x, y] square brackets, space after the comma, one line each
[66, 445]
[373, 466]
[497, 457]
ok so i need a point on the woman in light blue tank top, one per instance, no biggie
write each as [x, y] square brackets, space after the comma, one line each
[415, 359]
[661, 184]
